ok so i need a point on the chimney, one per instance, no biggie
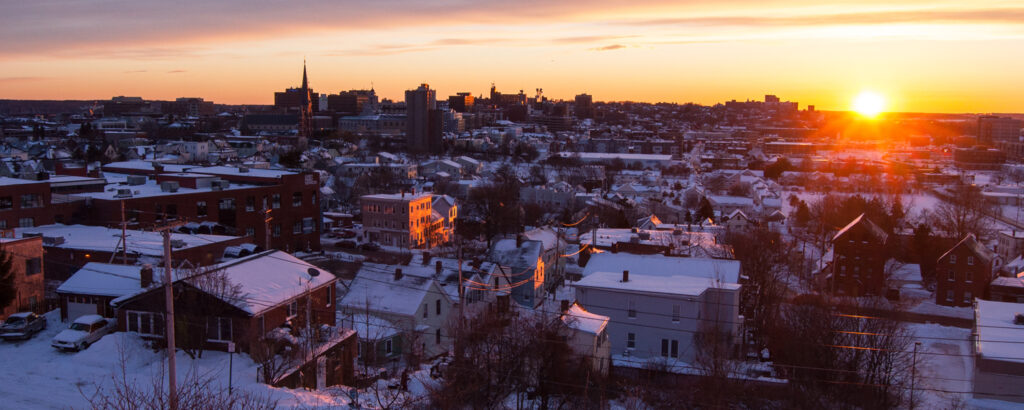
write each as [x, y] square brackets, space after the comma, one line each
[146, 275]
[565, 305]
[437, 267]
[625, 276]
[426, 257]
[398, 273]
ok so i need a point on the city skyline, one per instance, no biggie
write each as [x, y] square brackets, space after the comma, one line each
[921, 57]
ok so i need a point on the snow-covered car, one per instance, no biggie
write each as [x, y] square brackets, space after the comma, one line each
[22, 325]
[83, 332]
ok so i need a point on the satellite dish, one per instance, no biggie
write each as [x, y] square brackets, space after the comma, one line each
[313, 272]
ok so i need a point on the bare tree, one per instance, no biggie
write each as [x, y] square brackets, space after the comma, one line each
[964, 211]
[195, 322]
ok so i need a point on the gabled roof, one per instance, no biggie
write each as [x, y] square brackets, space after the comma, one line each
[971, 242]
[873, 229]
[379, 292]
[505, 253]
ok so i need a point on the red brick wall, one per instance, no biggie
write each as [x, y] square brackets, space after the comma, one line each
[28, 287]
[974, 278]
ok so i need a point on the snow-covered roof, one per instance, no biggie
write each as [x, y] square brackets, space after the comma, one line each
[873, 229]
[250, 172]
[397, 197]
[659, 283]
[270, 278]
[6, 181]
[579, 319]
[106, 239]
[974, 246]
[378, 291]
[506, 253]
[998, 337]
[104, 279]
[663, 266]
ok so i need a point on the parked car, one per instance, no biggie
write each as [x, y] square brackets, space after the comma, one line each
[346, 234]
[83, 332]
[370, 246]
[22, 325]
[346, 244]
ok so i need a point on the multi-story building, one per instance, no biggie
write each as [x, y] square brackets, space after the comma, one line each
[233, 198]
[584, 107]
[963, 273]
[461, 102]
[24, 203]
[401, 220]
[993, 129]
[858, 264]
[26, 256]
[978, 158]
[420, 104]
[658, 305]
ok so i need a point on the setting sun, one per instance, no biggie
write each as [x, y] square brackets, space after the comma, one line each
[869, 104]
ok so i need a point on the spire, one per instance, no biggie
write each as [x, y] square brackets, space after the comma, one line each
[305, 82]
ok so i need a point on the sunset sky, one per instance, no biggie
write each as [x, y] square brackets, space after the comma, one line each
[920, 55]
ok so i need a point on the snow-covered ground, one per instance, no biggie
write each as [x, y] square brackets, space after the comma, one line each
[35, 375]
[944, 365]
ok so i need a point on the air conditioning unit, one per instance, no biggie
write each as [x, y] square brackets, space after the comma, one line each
[170, 186]
[53, 240]
[137, 180]
[123, 193]
[177, 243]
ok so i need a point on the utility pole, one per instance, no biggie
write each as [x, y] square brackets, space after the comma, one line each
[913, 374]
[124, 236]
[172, 380]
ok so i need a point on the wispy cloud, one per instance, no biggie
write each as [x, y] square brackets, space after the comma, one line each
[135, 71]
[609, 47]
[12, 80]
[1013, 16]
[176, 71]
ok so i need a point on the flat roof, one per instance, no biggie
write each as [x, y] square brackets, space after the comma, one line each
[998, 337]
[99, 238]
[152, 189]
[7, 181]
[666, 284]
[398, 197]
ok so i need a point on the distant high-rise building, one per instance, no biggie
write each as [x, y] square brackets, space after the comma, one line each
[352, 102]
[993, 129]
[461, 102]
[418, 106]
[584, 106]
[769, 98]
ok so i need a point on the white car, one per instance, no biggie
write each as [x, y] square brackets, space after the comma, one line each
[83, 332]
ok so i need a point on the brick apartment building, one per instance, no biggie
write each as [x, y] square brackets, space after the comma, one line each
[27, 263]
[402, 220]
[233, 198]
[24, 203]
[963, 273]
[858, 265]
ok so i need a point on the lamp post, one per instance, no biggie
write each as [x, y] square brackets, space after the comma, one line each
[913, 374]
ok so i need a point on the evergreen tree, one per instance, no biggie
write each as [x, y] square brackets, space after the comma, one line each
[705, 211]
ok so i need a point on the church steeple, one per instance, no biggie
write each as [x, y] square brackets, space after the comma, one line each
[306, 116]
[305, 80]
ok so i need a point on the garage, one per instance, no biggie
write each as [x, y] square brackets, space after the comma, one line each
[76, 307]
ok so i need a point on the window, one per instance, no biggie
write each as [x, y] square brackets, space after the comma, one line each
[201, 208]
[968, 297]
[226, 204]
[674, 351]
[33, 266]
[952, 259]
[3, 224]
[297, 199]
[293, 308]
[297, 227]
[949, 295]
[387, 346]
[970, 260]
[250, 203]
[250, 231]
[952, 276]
[425, 311]
[276, 232]
[26, 222]
[437, 306]
[437, 337]
[664, 347]
[275, 201]
[145, 323]
[631, 309]
[631, 340]
[6, 202]
[31, 201]
[330, 295]
[307, 225]
[675, 313]
[218, 329]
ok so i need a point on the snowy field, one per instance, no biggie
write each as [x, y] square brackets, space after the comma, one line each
[944, 365]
